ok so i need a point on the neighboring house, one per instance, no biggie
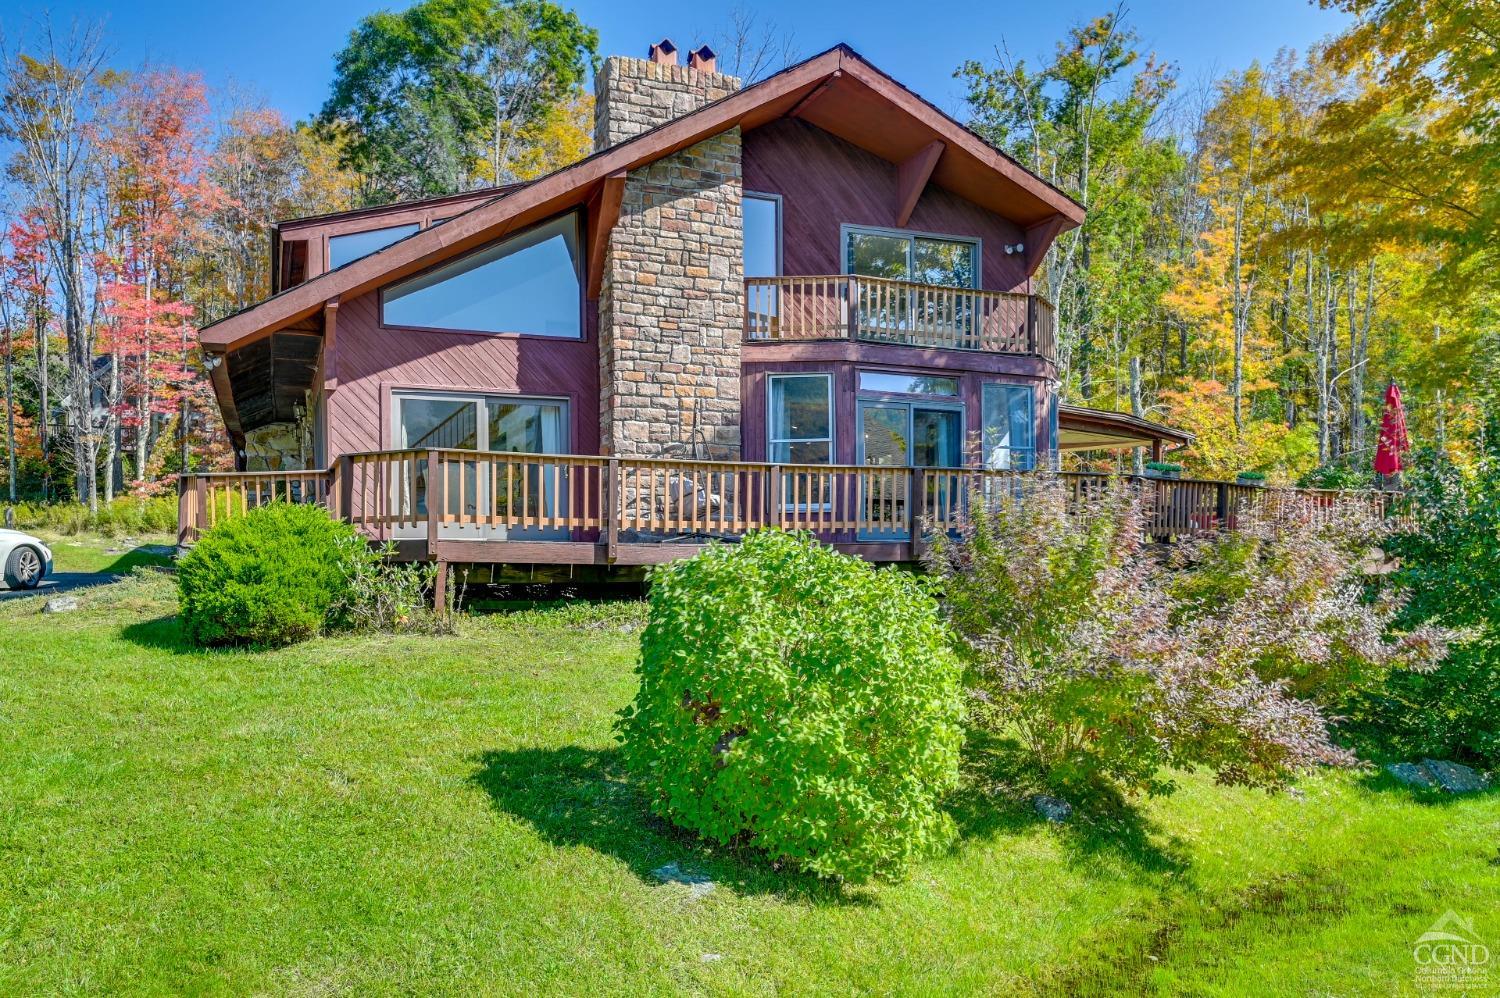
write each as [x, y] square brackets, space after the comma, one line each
[820, 269]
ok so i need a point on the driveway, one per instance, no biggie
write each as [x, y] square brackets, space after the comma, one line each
[61, 582]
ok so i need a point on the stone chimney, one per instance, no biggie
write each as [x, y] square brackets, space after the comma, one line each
[671, 303]
[634, 95]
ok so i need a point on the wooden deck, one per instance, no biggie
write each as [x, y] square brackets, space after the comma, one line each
[519, 509]
[875, 310]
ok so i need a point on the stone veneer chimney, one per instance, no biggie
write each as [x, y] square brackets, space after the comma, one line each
[671, 304]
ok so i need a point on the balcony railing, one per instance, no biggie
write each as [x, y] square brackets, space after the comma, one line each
[457, 505]
[876, 310]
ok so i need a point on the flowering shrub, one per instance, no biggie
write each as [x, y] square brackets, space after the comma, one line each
[1111, 662]
[799, 701]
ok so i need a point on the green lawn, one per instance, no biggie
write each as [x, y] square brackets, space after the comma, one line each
[446, 814]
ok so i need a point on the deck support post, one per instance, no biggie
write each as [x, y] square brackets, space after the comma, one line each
[1222, 505]
[614, 502]
[187, 509]
[773, 496]
[914, 507]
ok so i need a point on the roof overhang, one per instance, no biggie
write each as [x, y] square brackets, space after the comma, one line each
[837, 90]
[1096, 429]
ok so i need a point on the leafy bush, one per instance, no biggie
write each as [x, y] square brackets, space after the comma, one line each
[271, 577]
[799, 701]
[381, 595]
[125, 515]
[1251, 476]
[1170, 467]
[1451, 573]
[1110, 663]
[1338, 476]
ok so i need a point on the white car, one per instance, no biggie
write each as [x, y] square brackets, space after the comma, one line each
[24, 559]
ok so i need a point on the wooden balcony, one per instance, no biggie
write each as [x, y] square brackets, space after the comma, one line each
[576, 510]
[875, 310]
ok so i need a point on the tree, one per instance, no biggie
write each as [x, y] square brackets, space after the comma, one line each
[438, 97]
[1083, 122]
[48, 109]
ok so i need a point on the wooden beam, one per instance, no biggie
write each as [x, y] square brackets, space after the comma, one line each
[330, 345]
[911, 179]
[604, 212]
[814, 94]
[1039, 239]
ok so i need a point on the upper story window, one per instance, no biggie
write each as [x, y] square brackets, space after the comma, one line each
[348, 248]
[529, 283]
[911, 256]
[762, 214]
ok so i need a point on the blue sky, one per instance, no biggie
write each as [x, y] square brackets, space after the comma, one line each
[282, 50]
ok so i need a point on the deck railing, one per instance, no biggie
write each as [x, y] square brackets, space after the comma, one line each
[876, 310]
[608, 502]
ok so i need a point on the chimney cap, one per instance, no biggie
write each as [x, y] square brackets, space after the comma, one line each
[663, 53]
[703, 58]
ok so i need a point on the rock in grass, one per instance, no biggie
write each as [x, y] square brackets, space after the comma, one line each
[1411, 774]
[698, 884]
[1454, 778]
[1054, 809]
[60, 604]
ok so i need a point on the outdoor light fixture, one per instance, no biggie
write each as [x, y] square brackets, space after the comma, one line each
[1017, 248]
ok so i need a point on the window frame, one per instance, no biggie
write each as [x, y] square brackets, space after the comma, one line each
[779, 203]
[911, 236]
[583, 283]
[772, 440]
[334, 237]
[479, 399]
[984, 444]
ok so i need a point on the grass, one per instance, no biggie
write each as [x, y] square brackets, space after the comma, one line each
[107, 555]
[392, 815]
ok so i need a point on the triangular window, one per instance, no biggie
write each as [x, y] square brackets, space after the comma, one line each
[528, 283]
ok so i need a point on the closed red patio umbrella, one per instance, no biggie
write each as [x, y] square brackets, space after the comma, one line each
[1393, 439]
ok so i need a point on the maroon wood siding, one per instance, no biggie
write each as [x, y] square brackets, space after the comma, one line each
[825, 182]
[374, 361]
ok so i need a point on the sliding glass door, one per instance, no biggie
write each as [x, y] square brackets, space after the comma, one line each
[898, 434]
[480, 423]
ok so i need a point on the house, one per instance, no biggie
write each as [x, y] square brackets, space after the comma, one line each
[776, 303]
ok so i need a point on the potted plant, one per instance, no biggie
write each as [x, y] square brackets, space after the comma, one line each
[1163, 469]
[1257, 479]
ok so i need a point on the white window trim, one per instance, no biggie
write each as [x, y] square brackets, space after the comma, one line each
[911, 235]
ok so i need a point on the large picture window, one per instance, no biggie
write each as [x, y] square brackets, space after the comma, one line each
[529, 283]
[351, 247]
[800, 417]
[1009, 427]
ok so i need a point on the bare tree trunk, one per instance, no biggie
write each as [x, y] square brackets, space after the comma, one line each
[1237, 312]
[112, 427]
[1137, 409]
[10, 413]
[44, 401]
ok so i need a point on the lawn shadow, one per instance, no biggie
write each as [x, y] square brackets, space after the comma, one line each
[162, 633]
[996, 799]
[574, 796]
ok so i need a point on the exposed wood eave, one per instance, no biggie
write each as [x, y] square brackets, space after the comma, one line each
[912, 175]
[1097, 429]
[855, 103]
[604, 212]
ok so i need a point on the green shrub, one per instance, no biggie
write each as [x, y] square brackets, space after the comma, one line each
[271, 577]
[799, 701]
[1450, 570]
[382, 595]
[125, 515]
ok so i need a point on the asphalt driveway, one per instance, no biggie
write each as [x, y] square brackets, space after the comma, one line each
[61, 582]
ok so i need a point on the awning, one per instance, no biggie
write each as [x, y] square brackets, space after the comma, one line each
[1096, 429]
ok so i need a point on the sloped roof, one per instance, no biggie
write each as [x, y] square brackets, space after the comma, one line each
[837, 90]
